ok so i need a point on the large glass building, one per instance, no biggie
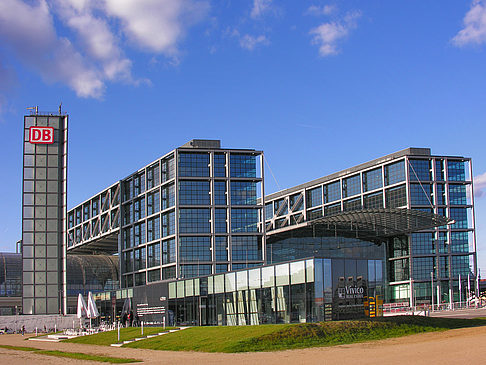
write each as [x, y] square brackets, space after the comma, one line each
[411, 182]
[196, 240]
[192, 212]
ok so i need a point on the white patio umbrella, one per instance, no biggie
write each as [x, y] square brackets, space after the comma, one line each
[82, 308]
[92, 311]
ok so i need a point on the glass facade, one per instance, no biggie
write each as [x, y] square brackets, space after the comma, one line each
[191, 212]
[203, 215]
[415, 180]
[308, 290]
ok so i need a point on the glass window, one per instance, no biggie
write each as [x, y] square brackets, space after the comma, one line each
[220, 193]
[460, 216]
[139, 234]
[314, 214]
[195, 220]
[461, 265]
[351, 186]
[244, 220]
[139, 209]
[441, 194]
[422, 267]
[396, 197]
[153, 255]
[254, 281]
[154, 275]
[459, 242]
[352, 204]
[230, 281]
[332, 192]
[374, 200]
[167, 170]
[246, 248]
[194, 193]
[297, 272]
[372, 180]
[296, 202]
[139, 259]
[168, 224]
[243, 193]
[268, 211]
[332, 209]
[218, 284]
[153, 176]
[153, 202]
[439, 170]
[193, 164]
[423, 243]
[314, 197]
[221, 244]
[219, 165]
[153, 229]
[420, 170]
[168, 272]
[281, 207]
[282, 274]
[242, 165]
[193, 249]
[168, 252]
[395, 173]
[268, 277]
[168, 197]
[421, 194]
[220, 221]
[242, 280]
[457, 194]
[456, 170]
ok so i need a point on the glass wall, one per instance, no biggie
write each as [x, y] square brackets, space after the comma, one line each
[308, 290]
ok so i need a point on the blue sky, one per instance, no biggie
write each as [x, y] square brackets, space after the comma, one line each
[318, 85]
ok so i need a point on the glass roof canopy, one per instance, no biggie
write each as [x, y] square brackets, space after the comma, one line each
[366, 223]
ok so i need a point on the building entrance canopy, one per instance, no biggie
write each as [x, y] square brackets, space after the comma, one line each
[369, 223]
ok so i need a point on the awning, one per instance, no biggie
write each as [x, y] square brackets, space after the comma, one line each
[368, 223]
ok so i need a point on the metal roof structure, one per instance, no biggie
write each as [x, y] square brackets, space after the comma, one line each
[367, 223]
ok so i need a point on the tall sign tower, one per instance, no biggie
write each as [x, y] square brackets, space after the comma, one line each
[44, 213]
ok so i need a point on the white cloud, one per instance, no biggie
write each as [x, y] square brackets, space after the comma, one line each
[96, 37]
[480, 185]
[156, 25]
[474, 31]
[29, 31]
[260, 7]
[327, 35]
[320, 10]
[95, 54]
[249, 42]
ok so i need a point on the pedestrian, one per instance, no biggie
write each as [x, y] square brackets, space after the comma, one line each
[23, 330]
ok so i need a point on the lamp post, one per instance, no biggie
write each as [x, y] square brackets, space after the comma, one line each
[432, 288]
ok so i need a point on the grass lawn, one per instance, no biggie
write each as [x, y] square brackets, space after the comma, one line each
[109, 337]
[292, 336]
[72, 355]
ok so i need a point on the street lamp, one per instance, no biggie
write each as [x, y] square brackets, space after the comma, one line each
[432, 288]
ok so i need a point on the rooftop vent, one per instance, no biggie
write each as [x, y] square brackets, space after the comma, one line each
[203, 143]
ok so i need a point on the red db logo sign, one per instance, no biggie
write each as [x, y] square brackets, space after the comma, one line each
[42, 135]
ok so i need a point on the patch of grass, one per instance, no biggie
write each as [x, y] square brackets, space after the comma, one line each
[109, 337]
[73, 355]
[292, 336]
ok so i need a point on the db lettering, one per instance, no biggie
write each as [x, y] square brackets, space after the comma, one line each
[42, 135]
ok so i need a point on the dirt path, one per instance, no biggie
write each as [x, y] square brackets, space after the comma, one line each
[466, 345]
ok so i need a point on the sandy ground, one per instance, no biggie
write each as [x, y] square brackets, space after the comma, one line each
[466, 345]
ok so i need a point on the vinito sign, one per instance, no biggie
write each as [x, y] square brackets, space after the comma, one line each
[350, 292]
